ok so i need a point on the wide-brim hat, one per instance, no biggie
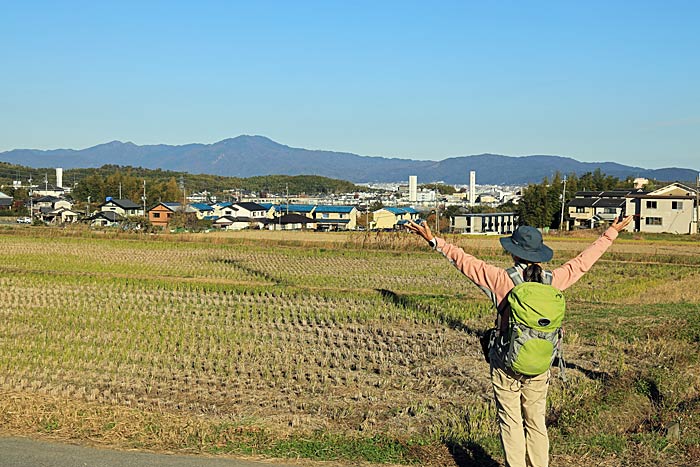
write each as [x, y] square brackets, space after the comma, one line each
[526, 243]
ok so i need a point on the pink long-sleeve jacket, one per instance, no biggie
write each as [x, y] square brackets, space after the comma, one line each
[496, 280]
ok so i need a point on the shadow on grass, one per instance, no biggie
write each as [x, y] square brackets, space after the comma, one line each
[248, 270]
[590, 374]
[415, 305]
[471, 455]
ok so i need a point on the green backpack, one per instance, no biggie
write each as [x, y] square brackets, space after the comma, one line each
[533, 338]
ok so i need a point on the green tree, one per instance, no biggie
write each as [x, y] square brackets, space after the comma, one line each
[124, 183]
[170, 192]
[92, 186]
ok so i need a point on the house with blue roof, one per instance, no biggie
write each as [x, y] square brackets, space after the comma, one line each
[301, 209]
[240, 209]
[223, 208]
[203, 211]
[324, 217]
[391, 218]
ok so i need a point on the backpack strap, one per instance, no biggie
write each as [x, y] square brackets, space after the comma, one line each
[547, 277]
[515, 274]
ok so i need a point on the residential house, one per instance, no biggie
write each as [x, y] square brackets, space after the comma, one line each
[203, 211]
[60, 216]
[105, 219]
[123, 207]
[250, 210]
[239, 223]
[274, 211]
[53, 202]
[670, 209]
[49, 190]
[5, 202]
[306, 210]
[389, 217]
[241, 215]
[161, 214]
[589, 209]
[335, 217]
[201, 197]
[502, 223]
[44, 206]
[291, 222]
[223, 208]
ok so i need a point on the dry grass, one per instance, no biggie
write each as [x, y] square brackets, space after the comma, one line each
[225, 342]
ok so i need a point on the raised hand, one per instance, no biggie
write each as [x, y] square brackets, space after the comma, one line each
[620, 224]
[421, 229]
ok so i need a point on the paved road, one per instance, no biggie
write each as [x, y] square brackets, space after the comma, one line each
[20, 452]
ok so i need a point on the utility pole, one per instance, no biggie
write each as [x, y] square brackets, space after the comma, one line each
[143, 198]
[31, 199]
[120, 190]
[563, 200]
[437, 211]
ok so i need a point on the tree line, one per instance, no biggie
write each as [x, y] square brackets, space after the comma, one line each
[168, 186]
[541, 204]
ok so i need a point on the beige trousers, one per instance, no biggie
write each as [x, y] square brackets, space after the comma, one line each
[521, 402]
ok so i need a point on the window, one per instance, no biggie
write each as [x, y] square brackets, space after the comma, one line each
[651, 204]
[156, 215]
[677, 205]
[609, 211]
[580, 209]
[653, 221]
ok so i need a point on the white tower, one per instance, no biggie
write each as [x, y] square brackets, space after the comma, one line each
[59, 177]
[472, 187]
[412, 188]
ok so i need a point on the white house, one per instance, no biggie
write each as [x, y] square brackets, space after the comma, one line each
[238, 223]
[123, 207]
[291, 222]
[105, 219]
[670, 209]
[251, 210]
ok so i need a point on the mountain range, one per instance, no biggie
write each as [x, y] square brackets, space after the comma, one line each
[247, 156]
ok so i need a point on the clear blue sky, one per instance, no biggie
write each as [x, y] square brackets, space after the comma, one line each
[594, 80]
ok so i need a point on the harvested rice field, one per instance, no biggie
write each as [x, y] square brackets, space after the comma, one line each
[355, 348]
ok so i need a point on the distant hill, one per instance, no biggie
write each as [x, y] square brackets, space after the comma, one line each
[247, 156]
